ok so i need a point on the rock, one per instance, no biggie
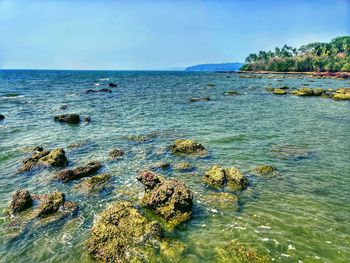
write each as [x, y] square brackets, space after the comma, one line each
[279, 91]
[141, 138]
[187, 147]
[55, 158]
[211, 85]
[86, 119]
[168, 198]
[63, 107]
[284, 87]
[265, 170]
[308, 92]
[79, 172]
[50, 203]
[123, 234]
[290, 152]
[116, 153]
[231, 93]
[21, 200]
[219, 200]
[342, 94]
[68, 118]
[183, 167]
[218, 177]
[112, 85]
[199, 99]
[2, 117]
[94, 183]
[318, 91]
[270, 89]
[161, 165]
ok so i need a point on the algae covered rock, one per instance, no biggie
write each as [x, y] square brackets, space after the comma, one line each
[279, 91]
[41, 157]
[342, 94]
[78, 172]
[187, 147]
[68, 118]
[21, 200]
[94, 183]
[265, 170]
[123, 234]
[219, 177]
[170, 199]
[116, 153]
[160, 165]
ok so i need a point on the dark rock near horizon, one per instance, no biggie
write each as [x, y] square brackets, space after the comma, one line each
[112, 85]
[68, 118]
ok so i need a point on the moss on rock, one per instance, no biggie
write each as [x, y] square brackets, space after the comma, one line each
[265, 170]
[342, 94]
[123, 234]
[50, 203]
[94, 183]
[279, 91]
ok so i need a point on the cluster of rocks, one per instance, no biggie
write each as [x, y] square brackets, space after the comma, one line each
[338, 94]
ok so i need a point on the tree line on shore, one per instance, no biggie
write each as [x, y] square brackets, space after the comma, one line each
[333, 57]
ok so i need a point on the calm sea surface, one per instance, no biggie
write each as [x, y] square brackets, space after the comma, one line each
[301, 215]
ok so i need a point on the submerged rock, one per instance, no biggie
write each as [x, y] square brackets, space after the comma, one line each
[187, 147]
[184, 167]
[63, 107]
[68, 118]
[168, 198]
[290, 152]
[100, 90]
[161, 165]
[79, 172]
[21, 200]
[112, 85]
[265, 170]
[231, 93]
[123, 234]
[2, 117]
[219, 200]
[94, 183]
[199, 99]
[116, 153]
[41, 157]
[342, 94]
[218, 177]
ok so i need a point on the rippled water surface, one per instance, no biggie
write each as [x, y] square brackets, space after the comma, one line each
[301, 215]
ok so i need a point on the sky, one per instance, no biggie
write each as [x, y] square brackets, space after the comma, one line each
[158, 34]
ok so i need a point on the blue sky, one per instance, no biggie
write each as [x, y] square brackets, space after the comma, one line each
[106, 34]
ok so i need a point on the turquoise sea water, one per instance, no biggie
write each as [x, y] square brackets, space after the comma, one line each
[302, 215]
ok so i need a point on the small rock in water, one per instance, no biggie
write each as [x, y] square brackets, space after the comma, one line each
[94, 183]
[231, 93]
[184, 167]
[218, 177]
[100, 90]
[265, 170]
[112, 85]
[171, 199]
[64, 107]
[79, 172]
[187, 147]
[160, 165]
[2, 117]
[199, 99]
[21, 200]
[116, 153]
[68, 118]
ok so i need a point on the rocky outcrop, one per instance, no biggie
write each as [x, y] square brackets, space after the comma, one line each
[308, 92]
[41, 157]
[50, 203]
[78, 172]
[68, 118]
[187, 147]
[21, 200]
[170, 199]
[123, 234]
[218, 177]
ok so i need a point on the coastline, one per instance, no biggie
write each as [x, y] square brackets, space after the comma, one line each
[338, 75]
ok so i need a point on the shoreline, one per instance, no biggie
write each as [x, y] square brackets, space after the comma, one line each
[338, 75]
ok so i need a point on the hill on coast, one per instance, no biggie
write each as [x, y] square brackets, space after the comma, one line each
[215, 67]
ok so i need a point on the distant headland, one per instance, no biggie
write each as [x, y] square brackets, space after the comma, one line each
[216, 67]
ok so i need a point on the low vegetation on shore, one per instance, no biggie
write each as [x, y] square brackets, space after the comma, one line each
[312, 57]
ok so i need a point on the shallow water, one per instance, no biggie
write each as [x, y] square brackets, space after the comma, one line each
[301, 215]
